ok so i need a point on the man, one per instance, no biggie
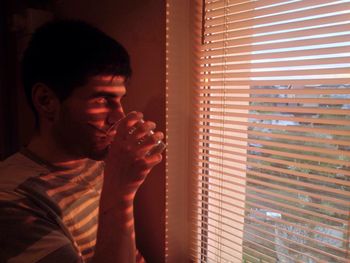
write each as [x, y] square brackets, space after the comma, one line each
[68, 195]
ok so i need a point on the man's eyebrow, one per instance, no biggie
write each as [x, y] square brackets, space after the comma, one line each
[107, 94]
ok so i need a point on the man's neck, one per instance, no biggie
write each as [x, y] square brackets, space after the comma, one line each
[47, 148]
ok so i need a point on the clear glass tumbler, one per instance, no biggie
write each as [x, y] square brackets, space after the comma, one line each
[158, 147]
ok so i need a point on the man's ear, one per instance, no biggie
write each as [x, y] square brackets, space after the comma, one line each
[45, 101]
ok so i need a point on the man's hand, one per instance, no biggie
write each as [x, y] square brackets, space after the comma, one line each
[127, 166]
[128, 163]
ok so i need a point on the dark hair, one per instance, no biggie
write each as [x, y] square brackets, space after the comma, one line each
[63, 54]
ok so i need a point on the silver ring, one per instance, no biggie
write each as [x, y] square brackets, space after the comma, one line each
[141, 140]
[132, 130]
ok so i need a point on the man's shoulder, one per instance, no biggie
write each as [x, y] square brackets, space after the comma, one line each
[16, 169]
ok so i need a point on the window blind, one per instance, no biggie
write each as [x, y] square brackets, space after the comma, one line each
[272, 132]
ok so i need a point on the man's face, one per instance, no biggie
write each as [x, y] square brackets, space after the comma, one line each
[88, 110]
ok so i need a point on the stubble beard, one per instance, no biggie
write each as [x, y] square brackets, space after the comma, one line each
[79, 146]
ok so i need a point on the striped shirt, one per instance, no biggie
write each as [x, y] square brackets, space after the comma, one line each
[48, 209]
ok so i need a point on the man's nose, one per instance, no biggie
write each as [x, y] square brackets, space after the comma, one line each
[115, 115]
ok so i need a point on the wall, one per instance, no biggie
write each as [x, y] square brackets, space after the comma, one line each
[8, 92]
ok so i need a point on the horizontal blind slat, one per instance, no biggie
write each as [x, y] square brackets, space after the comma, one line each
[284, 162]
[275, 226]
[277, 161]
[223, 216]
[277, 73]
[207, 218]
[338, 122]
[287, 17]
[223, 251]
[292, 216]
[261, 256]
[301, 165]
[288, 45]
[304, 246]
[284, 221]
[241, 29]
[279, 127]
[276, 220]
[296, 210]
[293, 156]
[219, 229]
[321, 24]
[288, 190]
[279, 109]
[276, 54]
[302, 80]
[213, 253]
[258, 236]
[283, 62]
[306, 203]
[265, 240]
[285, 145]
[214, 98]
[320, 179]
[274, 235]
[205, 130]
[205, 195]
[272, 38]
[343, 194]
[222, 4]
[291, 199]
[309, 91]
[293, 8]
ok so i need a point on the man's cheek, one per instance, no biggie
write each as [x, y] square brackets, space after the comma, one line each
[96, 113]
[97, 120]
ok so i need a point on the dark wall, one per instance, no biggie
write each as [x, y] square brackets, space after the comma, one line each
[9, 142]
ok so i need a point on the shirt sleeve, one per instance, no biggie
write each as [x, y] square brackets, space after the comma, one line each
[28, 234]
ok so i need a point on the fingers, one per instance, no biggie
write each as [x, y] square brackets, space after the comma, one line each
[137, 136]
[148, 143]
[128, 122]
[135, 151]
[141, 129]
[158, 149]
[150, 140]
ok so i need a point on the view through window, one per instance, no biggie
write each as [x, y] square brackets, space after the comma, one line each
[273, 137]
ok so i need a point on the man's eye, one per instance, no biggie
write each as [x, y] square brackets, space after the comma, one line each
[101, 101]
